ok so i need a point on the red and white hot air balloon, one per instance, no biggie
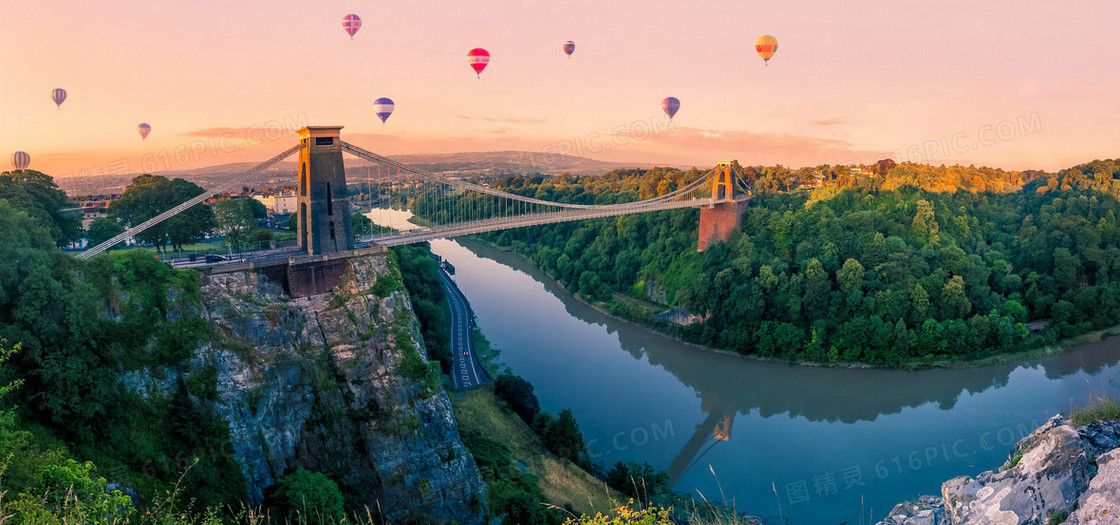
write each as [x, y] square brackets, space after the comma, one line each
[478, 58]
[144, 129]
[58, 95]
[351, 23]
[20, 160]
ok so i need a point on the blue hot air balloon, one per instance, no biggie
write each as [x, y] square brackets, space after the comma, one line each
[671, 105]
[384, 107]
[20, 160]
[569, 48]
[58, 95]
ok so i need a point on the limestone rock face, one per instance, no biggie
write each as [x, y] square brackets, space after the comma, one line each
[1100, 504]
[1047, 472]
[1055, 472]
[928, 510]
[332, 383]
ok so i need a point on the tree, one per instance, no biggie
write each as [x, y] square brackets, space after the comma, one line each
[234, 217]
[956, 303]
[850, 277]
[562, 437]
[103, 229]
[37, 194]
[519, 394]
[638, 480]
[310, 494]
[924, 223]
[151, 195]
[817, 289]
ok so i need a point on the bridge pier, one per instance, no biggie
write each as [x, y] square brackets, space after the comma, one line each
[718, 221]
[725, 213]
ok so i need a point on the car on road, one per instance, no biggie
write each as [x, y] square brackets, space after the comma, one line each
[211, 258]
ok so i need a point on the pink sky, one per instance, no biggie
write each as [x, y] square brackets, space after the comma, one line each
[1015, 84]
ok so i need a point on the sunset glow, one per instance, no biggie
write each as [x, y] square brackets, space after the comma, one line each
[1018, 85]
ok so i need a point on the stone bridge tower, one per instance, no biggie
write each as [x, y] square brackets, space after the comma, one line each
[324, 204]
[725, 213]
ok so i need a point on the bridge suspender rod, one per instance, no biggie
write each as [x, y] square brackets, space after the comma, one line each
[373, 157]
[191, 202]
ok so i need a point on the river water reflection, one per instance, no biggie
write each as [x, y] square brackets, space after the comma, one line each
[821, 438]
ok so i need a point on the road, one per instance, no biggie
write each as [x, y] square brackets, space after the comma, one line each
[465, 370]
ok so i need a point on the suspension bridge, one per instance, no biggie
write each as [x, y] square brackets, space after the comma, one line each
[443, 207]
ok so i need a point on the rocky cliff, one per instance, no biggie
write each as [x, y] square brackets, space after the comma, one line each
[337, 383]
[1058, 474]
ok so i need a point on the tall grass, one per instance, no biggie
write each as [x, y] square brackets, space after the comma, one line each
[1102, 409]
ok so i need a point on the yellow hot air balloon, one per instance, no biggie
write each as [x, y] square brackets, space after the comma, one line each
[766, 46]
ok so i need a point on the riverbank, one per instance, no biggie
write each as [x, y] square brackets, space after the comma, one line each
[665, 329]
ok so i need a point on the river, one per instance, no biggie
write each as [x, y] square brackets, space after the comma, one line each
[831, 442]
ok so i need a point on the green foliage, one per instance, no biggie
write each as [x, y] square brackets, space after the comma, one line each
[880, 273]
[310, 494]
[103, 229]
[419, 275]
[235, 218]
[37, 194]
[512, 493]
[638, 480]
[561, 436]
[518, 393]
[1103, 409]
[150, 195]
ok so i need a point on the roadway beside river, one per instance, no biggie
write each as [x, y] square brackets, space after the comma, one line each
[466, 371]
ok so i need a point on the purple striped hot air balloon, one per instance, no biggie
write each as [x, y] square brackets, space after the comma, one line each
[671, 105]
[58, 95]
[20, 160]
[351, 23]
[384, 107]
[144, 129]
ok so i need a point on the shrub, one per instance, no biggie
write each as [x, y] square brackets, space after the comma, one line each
[519, 394]
[310, 494]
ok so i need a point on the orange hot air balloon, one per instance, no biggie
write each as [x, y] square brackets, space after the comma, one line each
[766, 46]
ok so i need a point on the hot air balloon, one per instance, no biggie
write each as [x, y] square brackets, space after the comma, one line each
[384, 107]
[766, 46]
[20, 160]
[58, 95]
[144, 129]
[671, 105]
[351, 23]
[569, 48]
[478, 58]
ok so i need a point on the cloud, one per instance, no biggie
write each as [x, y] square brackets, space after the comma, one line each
[245, 132]
[511, 120]
[831, 121]
[499, 131]
[217, 132]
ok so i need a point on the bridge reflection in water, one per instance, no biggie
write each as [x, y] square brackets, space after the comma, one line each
[761, 422]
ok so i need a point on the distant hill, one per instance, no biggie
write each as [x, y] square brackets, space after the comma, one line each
[467, 164]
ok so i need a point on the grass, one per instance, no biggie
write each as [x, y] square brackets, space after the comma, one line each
[479, 410]
[1103, 409]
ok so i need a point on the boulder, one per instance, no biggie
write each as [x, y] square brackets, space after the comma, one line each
[1100, 504]
[928, 510]
[1047, 472]
[1101, 437]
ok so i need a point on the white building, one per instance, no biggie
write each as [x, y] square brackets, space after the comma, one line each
[281, 204]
